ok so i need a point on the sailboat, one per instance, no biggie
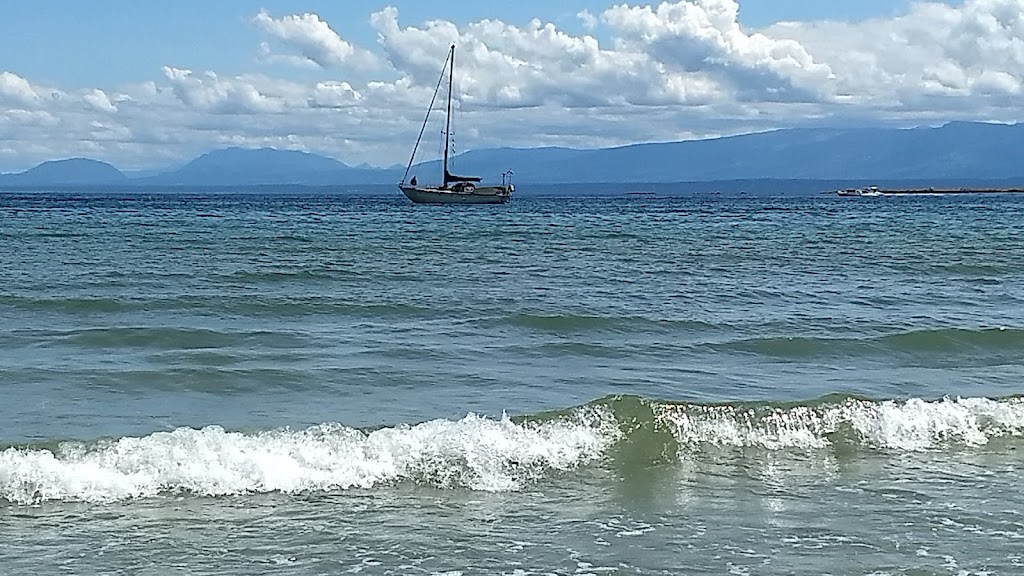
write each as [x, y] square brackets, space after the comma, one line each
[453, 189]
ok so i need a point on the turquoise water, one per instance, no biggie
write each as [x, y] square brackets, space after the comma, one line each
[319, 384]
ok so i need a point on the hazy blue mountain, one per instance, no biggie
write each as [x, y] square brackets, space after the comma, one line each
[80, 171]
[264, 166]
[958, 151]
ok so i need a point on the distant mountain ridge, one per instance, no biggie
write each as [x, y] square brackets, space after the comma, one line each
[70, 171]
[955, 150]
[257, 166]
[958, 150]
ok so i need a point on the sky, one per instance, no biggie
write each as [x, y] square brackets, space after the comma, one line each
[149, 85]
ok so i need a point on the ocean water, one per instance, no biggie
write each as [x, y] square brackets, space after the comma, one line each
[228, 384]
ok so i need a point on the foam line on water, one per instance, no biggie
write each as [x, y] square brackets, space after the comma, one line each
[910, 425]
[475, 452]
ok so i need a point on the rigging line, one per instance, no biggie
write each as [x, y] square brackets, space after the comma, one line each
[424, 126]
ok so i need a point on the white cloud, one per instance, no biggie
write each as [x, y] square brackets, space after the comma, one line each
[705, 36]
[98, 99]
[211, 93]
[109, 131]
[335, 95]
[267, 54]
[678, 69]
[315, 40]
[17, 90]
[589, 20]
[501, 65]
[19, 117]
[935, 50]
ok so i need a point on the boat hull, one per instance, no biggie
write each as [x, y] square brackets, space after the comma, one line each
[481, 195]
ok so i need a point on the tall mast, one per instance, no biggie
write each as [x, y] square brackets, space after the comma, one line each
[448, 116]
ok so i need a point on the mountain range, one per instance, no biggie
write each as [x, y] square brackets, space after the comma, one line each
[955, 151]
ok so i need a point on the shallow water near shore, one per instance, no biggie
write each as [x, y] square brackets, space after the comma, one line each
[320, 384]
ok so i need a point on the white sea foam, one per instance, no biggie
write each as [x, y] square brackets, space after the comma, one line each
[475, 452]
[920, 425]
[727, 426]
[912, 425]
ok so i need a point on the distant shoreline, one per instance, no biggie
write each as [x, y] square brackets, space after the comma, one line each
[726, 188]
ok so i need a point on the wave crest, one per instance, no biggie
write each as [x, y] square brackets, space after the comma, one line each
[912, 425]
[626, 433]
[475, 452]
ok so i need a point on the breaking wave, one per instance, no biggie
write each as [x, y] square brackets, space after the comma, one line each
[490, 454]
[475, 453]
[911, 425]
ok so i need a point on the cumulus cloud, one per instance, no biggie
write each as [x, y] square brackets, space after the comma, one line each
[315, 40]
[502, 65]
[109, 131]
[706, 36]
[99, 100]
[267, 54]
[934, 60]
[19, 117]
[690, 52]
[588, 20]
[16, 90]
[935, 50]
[335, 95]
[211, 93]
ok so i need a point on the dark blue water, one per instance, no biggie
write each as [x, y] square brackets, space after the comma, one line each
[313, 384]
